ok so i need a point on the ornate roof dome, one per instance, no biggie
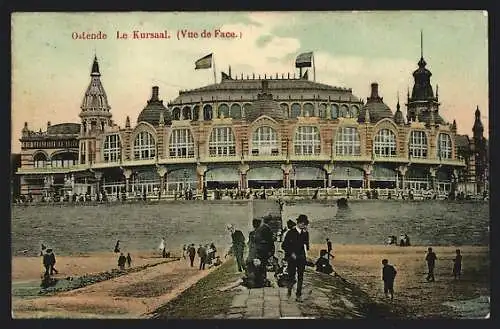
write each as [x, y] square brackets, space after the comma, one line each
[265, 105]
[152, 112]
[377, 109]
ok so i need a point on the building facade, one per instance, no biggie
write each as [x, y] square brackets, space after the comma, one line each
[247, 132]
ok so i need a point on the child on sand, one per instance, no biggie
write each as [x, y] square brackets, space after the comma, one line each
[388, 276]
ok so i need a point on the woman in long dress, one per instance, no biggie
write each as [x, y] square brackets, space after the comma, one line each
[162, 247]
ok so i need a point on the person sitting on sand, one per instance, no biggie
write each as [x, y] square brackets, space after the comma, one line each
[457, 265]
[217, 261]
[388, 276]
[129, 260]
[121, 261]
[323, 264]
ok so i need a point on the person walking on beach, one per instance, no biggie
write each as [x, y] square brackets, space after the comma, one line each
[238, 246]
[121, 261]
[329, 247]
[162, 248]
[295, 245]
[388, 276]
[42, 252]
[184, 251]
[191, 252]
[117, 247]
[202, 253]
[457, 265]
[46, 263]
[431, 263]
[129, 260]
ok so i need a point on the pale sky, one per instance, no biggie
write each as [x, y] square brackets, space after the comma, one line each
[51, 70]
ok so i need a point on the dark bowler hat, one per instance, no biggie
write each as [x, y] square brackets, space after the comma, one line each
[290, 223]
[303, 219]
[49, 250]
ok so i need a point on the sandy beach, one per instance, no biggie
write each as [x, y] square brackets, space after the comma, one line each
[136, 294]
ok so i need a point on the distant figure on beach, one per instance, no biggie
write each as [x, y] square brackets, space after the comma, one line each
[217, 261]
[191, 250]
[323, 264]
[161, 247]
[392, 240]
[46, 263]
[295, 244]
[129, 260]
[238, 245]
[52, 260]
[388, 276]
[457, 265]
[121, 261]
[431, 262]
[212, 251]
[329, 247]
[407, 240]
[401, 240]
[43, 249]
[202, 253]
[184, 251]
[117, 247]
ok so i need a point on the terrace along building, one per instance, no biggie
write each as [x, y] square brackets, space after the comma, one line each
[247, 133]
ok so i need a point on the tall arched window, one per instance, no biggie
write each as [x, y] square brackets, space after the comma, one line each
[444, 146]
[284, 108]
[39, 160]
[385, 143]
[223, 111]
[112, 149]
[196, 113]
[186, 113]
[308, 110]
[207, 112]
[144, 146]
[247, 108]
[322, 111]
[236, 111]
[176, 113]
[265, 141]
[344, 111]
[335, 111]
[295, 111]
[418, 144]
[354, 111]
[307, 141]
[222, 142]
[181, 144]
[347, 141]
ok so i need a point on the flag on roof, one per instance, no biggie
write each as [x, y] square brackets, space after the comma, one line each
[304, 60]
[204, 62]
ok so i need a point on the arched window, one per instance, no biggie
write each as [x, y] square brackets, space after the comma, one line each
[40, 160]
[186, 113]
[265, 141]
[308, 110]
[335, 111]
[347, 141]
[222, 142]
[354, 111]
[181, 144]
[295, 112]
[144, 146]
[207, 112]
[322, 111]
[385, 143]
[176, 113]
[83, 151]
[307, 141]
[444, 146]
[344, 111]
[223, 111]
[196, 113]
[284, 108]
[418, 144]
[111, 152]
[236, 111]
[247, 108]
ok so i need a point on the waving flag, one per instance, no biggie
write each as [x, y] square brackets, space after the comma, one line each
[304, 60]
[204, 63]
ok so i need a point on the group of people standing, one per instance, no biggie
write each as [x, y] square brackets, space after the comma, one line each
[122, 260]
[206, 253]
[48, 260]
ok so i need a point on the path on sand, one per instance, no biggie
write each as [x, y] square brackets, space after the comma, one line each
[129, 296]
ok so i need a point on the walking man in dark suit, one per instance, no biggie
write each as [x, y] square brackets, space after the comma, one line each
[329, 247]
[295, 245]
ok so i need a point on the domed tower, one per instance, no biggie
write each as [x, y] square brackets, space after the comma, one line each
[95, 115]
[422, 103]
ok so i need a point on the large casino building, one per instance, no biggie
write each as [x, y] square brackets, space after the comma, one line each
[251, 132]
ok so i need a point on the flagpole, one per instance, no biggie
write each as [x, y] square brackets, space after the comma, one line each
[314, 67]
[215, 75]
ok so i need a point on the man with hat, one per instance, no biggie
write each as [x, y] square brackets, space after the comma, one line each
[238, 245]
[295, 245]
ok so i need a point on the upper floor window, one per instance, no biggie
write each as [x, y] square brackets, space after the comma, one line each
[418, 144]
[347, 141]
[112, 148]
[307, 141]
[181, 144]
[144, 146]
[265, 141]
[385, 143]
[222, 142]
[444, 146]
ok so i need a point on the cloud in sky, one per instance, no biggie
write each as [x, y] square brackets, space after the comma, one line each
[51, 70]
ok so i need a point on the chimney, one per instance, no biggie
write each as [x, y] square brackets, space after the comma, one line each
[374, 90]
[154, 95]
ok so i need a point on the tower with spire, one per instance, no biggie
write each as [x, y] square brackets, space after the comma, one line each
[480, 152]
[95, 115]
[422, 105]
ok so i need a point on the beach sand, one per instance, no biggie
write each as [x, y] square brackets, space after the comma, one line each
[361, 264]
